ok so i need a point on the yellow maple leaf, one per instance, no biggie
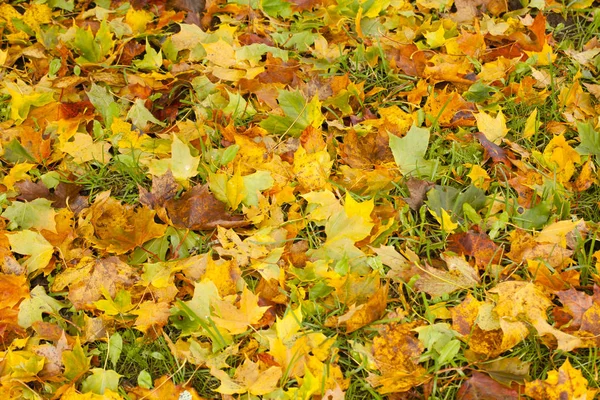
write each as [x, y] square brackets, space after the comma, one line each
[436, 38]
[530, 125]
[562, 157]
[138, 19]
[17, 173]
[494, 129]
[312, 170]
[83, 149]
[235, 190]
[479, 177]
[523, 302]
[353, 223]
[566, 383]
[248, 378]
[237, 320]
[151, 314]
[445, 221]
[556, 233]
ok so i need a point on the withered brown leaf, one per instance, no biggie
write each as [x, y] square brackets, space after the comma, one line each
[199, 210]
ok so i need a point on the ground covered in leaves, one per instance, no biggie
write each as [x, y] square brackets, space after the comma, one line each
[299, 199]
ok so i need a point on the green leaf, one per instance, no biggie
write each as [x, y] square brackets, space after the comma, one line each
[144, 379]
[217, 183]
[409, 151]
[450, 199]
[100, 380]
[152, 59]
[93, 49]
[23, 97]
[255, 51]
[590, 139]
[115, 347]
[75, 361]
[120, 305]
[15, 153]
[254, 184]
[183, 164]
[37, 214]
[35, 246]
[84, 44]
[276, 8]
[67, 5]
[31, 309]
[238, 107]
[140, 116]
[535, 217]
[299, 114]
[104, 103]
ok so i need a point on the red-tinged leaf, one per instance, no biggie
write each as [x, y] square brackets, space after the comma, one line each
[199, 210]
[493, 151]
[164, 188]
[131, 50]
[302, 5]
[575, 303]
[29, 190]
[481, 387]
[408, 59]
[279, 71]
[75, 109]
[477, 245]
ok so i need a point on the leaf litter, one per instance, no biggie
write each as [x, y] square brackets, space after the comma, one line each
[299, 199]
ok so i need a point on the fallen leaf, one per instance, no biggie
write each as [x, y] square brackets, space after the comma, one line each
[524, 301]
[566, 383]
[198, 209]
[481, 387]
[396, 352]
[249, 378]
[460, 275]
[118, 228]
[87, 281]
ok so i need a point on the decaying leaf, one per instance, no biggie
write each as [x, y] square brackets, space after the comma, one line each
[396, 353]
[118, 228]
[460, 275]
[566, 383]
[198, 209]
[518, 301]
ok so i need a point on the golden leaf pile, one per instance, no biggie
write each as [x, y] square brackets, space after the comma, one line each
[299, 199]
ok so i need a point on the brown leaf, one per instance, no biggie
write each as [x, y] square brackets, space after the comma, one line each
[575, 304]
[302, 5]
[87, 281]
[481, 387]
[65, 194]
[477, 245]
[30, 191]
[118, 228]
[418, 192]
[163, 188]
[279, 71]
[407, 58]
[198, 209]
[492, 150]
[366, 151]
